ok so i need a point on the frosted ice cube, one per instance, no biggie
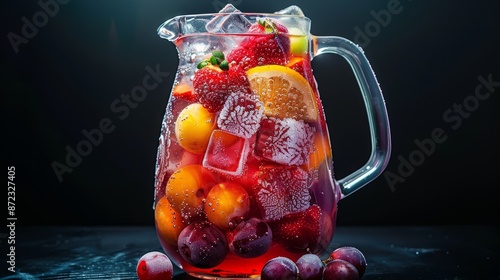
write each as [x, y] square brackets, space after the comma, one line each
[285, 141]
[226, 153]
[241, 114]
[232, 22]
[281, 190]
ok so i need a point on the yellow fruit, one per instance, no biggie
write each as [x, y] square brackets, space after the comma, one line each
[227, 203]
[187, 189]
[193, 128]
[284, 92]
[169, 222]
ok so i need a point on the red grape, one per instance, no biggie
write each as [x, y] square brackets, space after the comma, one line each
[351, 255]
[310, 267]
[279, 268]
[154, 266]
[340, 270]
[202, 245]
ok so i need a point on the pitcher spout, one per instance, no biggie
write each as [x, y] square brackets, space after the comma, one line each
[170, 29]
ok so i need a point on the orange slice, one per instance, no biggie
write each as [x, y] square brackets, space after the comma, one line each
[284, 92]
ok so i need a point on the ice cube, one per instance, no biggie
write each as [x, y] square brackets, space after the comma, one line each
[285, 141]
[241, 114]
[294, 22]
[231, 22]
[226, 153]
[292, 10]
[281, 190]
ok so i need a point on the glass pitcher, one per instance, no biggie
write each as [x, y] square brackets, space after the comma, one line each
[244, 168]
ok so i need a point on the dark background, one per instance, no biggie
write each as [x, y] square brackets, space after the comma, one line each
[427, 58]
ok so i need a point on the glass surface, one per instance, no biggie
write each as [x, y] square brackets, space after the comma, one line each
[244, 167]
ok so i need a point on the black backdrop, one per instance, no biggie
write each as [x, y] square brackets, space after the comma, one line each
[63, 77]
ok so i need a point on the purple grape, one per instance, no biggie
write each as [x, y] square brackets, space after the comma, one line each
[202, 245]
[351, 255]
[279, 268]
[340, 270]
[310, 267]
[250, 238]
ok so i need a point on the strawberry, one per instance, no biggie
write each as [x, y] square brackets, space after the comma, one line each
[210, 87]
[243, 57]
[215, 80]
[268, 43]
[299, 232]
[303, 66]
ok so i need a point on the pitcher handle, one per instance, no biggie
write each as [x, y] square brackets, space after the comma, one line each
[375, 108]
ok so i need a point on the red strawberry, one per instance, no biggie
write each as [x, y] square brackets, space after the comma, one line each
[303, 66]
[237, 80]
[214, 83]
[299, 232]
[210, 87]
[243, 57]
[269, 45]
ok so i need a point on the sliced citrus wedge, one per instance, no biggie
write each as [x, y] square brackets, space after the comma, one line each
[284, 92]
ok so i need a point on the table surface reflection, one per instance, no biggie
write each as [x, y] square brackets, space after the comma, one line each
[392, 252]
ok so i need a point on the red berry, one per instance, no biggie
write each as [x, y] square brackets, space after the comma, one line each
[243, 57]
[268, 43]
[299, 231]
[154, 266]
[213, 85]
[210, 87]
[303, 66]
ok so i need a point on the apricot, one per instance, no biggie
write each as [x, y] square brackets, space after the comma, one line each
[169, 222]
[187, 189]
[193, 128]
[226, 204]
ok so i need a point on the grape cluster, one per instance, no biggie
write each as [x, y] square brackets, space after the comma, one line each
[345, 263]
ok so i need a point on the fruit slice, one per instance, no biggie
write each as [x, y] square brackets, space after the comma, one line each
[299, 42]
[321, 152]
[284, 92]
[184, 90]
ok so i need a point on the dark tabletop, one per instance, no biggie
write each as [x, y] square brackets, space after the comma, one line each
[402, 252]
